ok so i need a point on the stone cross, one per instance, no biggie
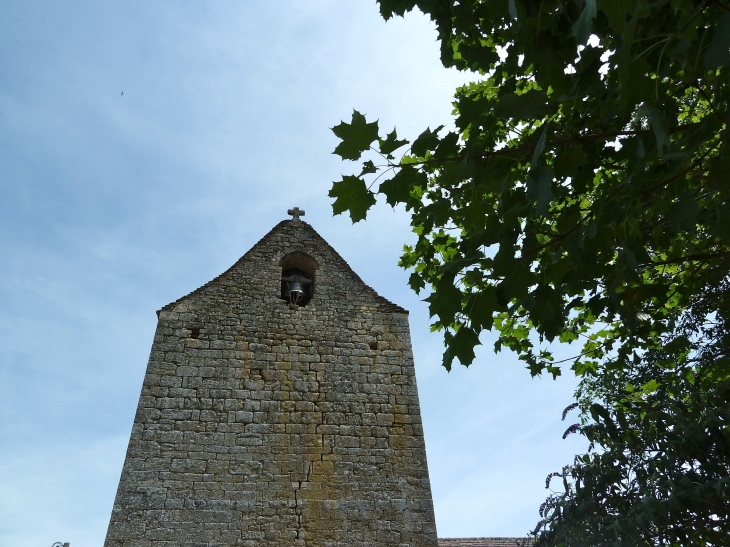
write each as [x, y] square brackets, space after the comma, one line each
[295, 213]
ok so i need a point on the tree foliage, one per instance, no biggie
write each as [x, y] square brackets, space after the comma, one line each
[582, 197]
[583, 193]
[659, 432]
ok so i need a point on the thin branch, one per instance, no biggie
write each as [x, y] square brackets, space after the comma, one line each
[380, 175]
[576, 357]
[688, 258]
[506, 152]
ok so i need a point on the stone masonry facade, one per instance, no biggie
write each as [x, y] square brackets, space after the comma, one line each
[265, 424]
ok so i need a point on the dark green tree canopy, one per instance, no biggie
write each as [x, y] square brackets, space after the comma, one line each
[582, 197]
[657, 469]
[583, 193]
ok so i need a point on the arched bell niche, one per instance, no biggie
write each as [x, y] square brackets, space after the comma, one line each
[298, 277]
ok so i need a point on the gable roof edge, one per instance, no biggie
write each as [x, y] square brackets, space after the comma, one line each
[387, 305]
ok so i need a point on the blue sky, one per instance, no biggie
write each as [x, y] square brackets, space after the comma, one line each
[114, 205]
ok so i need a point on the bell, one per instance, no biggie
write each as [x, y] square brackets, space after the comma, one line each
[295, 288]
[296, 291]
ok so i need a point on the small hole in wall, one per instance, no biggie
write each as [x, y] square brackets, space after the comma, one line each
[373, 345]
[195, 333]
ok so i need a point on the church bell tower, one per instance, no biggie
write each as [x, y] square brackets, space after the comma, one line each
[279, 408]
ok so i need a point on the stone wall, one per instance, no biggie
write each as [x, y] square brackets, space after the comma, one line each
[277, 426]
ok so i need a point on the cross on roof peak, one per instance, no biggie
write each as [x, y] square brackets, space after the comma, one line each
[295, 213]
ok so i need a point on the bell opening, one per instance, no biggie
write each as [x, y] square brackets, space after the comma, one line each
[297, 278]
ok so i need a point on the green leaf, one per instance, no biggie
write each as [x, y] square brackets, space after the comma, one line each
[351, 195]
[481, 308]
[683, 214]
[428, 140]
[629, 67]
[540, 147]
[357, 136]
[460, 345]
[659, 125]
[448, 147]
[650, 387]
[368, 167]
[718, 54]
[544, 190]
[568, 160]
[617, 12]
[391, 143]
[388, 8]
[630, 257]
[469, 108]
[445, 301]
[582, 27]
[599, 411]
[455, 266]
[416, 282]
[532, 105]
[398, 189]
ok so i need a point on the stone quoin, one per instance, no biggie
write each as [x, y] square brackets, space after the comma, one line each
[270, 421]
